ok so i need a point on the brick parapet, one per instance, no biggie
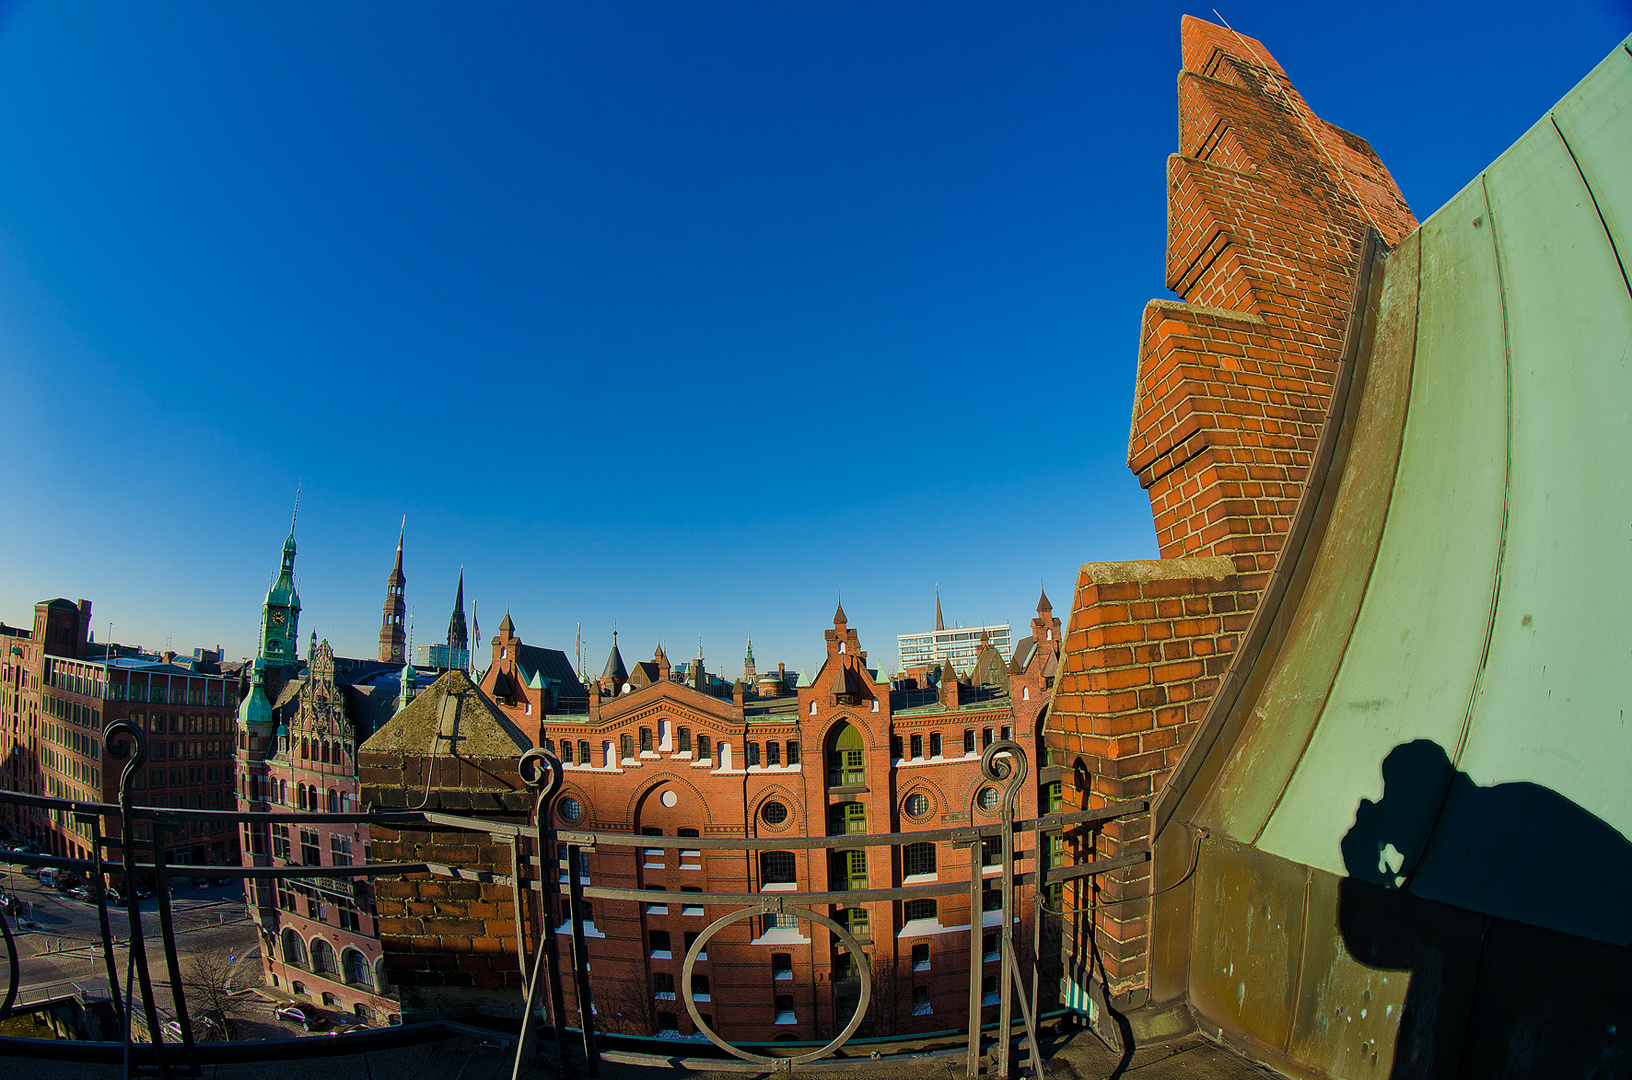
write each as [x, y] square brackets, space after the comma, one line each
[1268, 207]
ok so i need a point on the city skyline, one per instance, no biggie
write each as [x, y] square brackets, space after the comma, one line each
[647, 317]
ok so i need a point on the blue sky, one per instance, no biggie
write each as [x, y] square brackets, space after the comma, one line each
[679, 316]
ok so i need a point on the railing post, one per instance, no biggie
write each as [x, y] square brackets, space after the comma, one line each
[977, 960]
[172, 964]
[100, 886]
[541, 771]
[580, 960]
[124, 739]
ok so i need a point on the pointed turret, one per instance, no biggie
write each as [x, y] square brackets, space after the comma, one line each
[940, 623]
[393, 642]
[506, 627]
[749, 672]
[1043, 606]
[839, 618]
[614, 672]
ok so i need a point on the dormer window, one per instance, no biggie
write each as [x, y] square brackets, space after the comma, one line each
[841, 646]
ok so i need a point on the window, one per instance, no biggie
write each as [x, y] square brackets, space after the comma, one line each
[920, 1001]
[685, 740]
[583, 752]
[779, 921]
[920, 956]
[1008, 734]
[985, 738]
[322, 956]
[991, 899]
[991, 851]
[917, 805]
[935, 744]
[656, 909]
[652, 856]
[784, 1009]
[968, 741]
[988, 948]
[606, 754]
[773, 753]
[663, 985]
[659, 942]
[702, 748]
[918, 859]
[570, 809]
[773, 812]
[753, 754]
[356, 968]
[694, 854]
[844, 966]
[781, 965]
[793, 753]
[699, 988]
[691, 939]
[645, 740]
[777, 868]
[914, 910]
[1056, 850]
[852, 868]
[987, 799]
[339, 850]
[280, 841]
[917, 746]
[1056, 797]
[566, 751]
[626, 746]
[897, 748]
[850, 817]
[689, 908]
[988, 990]
[846, 760]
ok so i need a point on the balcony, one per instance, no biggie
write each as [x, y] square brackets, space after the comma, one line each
[158, 1022]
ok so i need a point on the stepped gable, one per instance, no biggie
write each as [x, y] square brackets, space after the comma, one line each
[1267, 208]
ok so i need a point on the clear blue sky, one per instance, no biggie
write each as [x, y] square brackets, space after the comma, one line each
[684, 316]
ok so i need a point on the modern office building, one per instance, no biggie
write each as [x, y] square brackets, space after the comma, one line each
[961, 645]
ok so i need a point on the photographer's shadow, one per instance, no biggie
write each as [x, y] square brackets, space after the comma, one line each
[1507, 904]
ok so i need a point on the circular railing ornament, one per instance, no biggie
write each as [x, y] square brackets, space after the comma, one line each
[851, 945]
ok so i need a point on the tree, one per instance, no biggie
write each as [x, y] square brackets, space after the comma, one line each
[206, 979]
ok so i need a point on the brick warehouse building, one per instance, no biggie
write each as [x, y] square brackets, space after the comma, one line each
[848, 753]
[1268, 207]
[61, 691]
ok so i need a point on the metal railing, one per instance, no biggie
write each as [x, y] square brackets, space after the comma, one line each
[540, 876]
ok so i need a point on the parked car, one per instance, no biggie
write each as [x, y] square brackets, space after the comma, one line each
[221, 881]
[304, 1015]
[201, 883]
[81, 893]
[144, 892]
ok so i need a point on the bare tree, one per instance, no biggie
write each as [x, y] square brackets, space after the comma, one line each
[206, 978]
[624, 1007]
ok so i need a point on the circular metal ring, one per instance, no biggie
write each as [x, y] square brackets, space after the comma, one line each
[1012, 776]
[851, 945]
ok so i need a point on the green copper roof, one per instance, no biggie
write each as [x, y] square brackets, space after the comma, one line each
[1468, 594]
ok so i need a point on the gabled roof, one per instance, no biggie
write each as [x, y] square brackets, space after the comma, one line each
[536, 663]
[451, 717]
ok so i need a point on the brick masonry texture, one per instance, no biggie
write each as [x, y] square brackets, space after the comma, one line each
[1268, 206]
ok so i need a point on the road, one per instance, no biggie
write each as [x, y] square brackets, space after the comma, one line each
[59, 945]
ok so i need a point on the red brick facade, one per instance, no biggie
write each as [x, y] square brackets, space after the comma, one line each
[1268, 206]
[671, 760]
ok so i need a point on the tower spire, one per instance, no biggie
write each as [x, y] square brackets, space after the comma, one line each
[458, 635]
[940, 623]
[392, 642]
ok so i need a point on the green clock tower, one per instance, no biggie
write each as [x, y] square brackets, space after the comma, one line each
[280, 620]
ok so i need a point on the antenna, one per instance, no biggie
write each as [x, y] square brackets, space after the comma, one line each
[298, 484]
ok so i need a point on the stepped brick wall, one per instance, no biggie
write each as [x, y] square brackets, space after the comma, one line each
[1268, 208]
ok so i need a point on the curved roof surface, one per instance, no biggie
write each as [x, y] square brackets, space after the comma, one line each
[1458, 651]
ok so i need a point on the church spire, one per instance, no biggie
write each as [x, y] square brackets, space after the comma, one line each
[392, 643]
[940, 623]
[458, 636]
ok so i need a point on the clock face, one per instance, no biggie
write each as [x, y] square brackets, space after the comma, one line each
[277, 617]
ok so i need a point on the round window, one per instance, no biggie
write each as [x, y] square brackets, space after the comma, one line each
[917, 804]
[774, 813]
[570, 809]
[988, 799]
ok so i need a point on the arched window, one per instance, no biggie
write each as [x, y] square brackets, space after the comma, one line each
[294, 952]
[846, 757]
[322, 956]
[334, 801]
[356, 968]
[305, 748]
[325, 753]
[300, 796]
